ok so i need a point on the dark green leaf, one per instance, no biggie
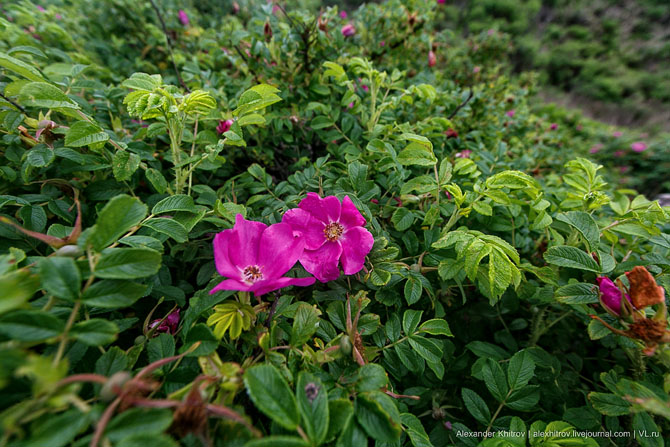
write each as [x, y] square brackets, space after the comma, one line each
[271, 394]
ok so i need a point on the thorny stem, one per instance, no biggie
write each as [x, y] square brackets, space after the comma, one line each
[190, 172]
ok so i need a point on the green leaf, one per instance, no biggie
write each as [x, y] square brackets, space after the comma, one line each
[21, 68]
[426, 348]
[46, 96]
[417, 434]
[494, 378]
[151, 421]
[30, 325]
[371, 377]
[160, 347]
[520, 370]
[413, 289]
[278, 441]
[378, 415]
[40, 156]
[143, 81]
[95, 332]
[116, 218]
[402, 219]
[436, 326]
[157, 180]
[483, 208]
[584, 223]
[643, 423]
[340, 411]
[84, 133]
[111, 362]
[253, 118]
[410, 320]
[524, 399]
[321, 122]
[17, 288]
[58, 431]
[417, 154]
[271, 394]
[128, 263]
[609, 404]
[476, 405]
[579, 293]
[305, 324]
[484, 349]
[168, 227]
[312, 398]
[113, 294]
[124, 165]
[60, 277]
[178, 202]
[572, 257]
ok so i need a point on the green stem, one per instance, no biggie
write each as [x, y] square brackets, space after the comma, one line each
[66, 331]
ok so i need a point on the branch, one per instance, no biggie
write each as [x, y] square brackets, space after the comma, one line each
[21, 109]
[169, 45]
[461, 105]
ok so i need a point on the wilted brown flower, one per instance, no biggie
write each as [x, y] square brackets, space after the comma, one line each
[643, 288]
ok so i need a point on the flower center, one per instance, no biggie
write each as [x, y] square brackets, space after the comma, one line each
[333, 231]
[252, 273]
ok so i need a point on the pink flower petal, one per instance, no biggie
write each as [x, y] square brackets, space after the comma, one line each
[322, 263]
[350, 216]
[310, 228]
[326, 210]
[243, 246]
[279, 250]
[224, 265]
[263, 287]
[232, 284]
[356, 244]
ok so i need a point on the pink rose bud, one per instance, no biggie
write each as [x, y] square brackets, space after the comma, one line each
[224, 126]
[511, 113]
[639, 146]
[351, 105]
[618, 154]
[451, 133]
[58, 17]
[432, 59]
[464, 154]
[490, 32]
[382, 43]
[348, 30]
[610, 295]
[476, 69]
[183, 18]
[169, 325]
[624, 169]
[236, 7]
[40, 8]
[447, 424]
[375, 201]
[441, 2]
[553, 126]
[343, 14]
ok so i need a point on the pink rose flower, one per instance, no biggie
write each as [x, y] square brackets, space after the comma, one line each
[343, 14]
[463, 154]
[348, 30]
[441, 2]
[624, 169]
[553, 126]
[618, 154]
[224, 126]
[183, 17]
[169, 325]
[511, 113]
[382, 43]
[617, 134]
[476, 69]
[351, 105]
[58, 17]
[432, 59]
[334, 235]
[254, 257]
[639, 146]
[40, 8]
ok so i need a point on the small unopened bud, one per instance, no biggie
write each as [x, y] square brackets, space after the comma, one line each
[70, 251]
[267, 31]
[110, 389]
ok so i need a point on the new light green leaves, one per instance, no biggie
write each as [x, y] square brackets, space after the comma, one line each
[472, 247]
[418, 152]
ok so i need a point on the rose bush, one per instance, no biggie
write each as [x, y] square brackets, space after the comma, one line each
[432, 256]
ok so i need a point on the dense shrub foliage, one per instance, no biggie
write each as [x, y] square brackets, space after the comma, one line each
[263, 225]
